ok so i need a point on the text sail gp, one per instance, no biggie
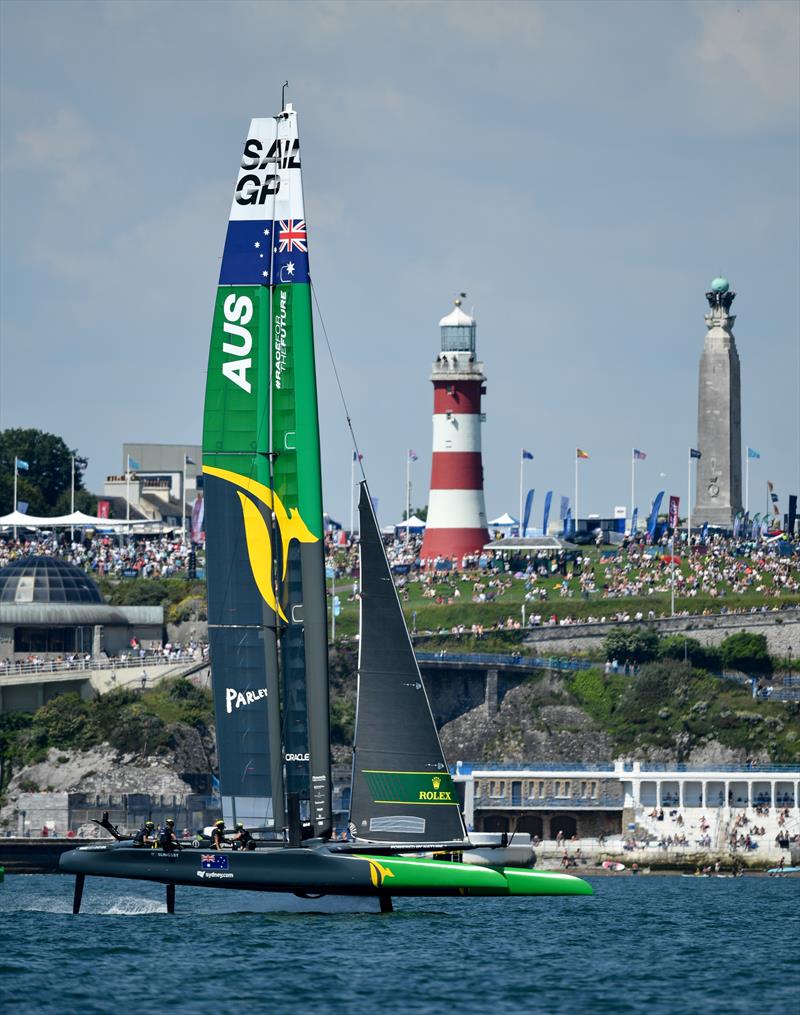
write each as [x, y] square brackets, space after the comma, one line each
[263, 501]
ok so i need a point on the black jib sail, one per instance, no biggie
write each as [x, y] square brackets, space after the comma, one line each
[402, 790]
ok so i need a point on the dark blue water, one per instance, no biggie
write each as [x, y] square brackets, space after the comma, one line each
[654, 944]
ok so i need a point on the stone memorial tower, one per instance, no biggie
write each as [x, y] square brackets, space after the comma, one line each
[719, 415]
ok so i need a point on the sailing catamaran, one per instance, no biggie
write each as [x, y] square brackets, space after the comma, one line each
[268, 619]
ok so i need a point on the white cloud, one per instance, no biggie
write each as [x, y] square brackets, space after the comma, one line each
[746, 62]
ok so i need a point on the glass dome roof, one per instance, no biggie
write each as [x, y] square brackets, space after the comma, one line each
[46, 580]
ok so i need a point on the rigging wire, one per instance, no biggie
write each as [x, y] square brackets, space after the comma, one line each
[338, 381]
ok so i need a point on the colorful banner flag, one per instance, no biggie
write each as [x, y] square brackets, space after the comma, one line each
[412, 455]
[567, 522]
[634, 521]
[694, 453]
[198, 518]
[357, 457]
[639, 455]
[581, 455]
[527, 516]
[22, 506]
[674, 503]
[527, 454]
[562, 513]
[752, 453]
[21, 465]
[104, 509]
[704, 532]
[656, 507]
[755, 528]
[548, 499]
[737, 524]
[133, 464]
[792, 514]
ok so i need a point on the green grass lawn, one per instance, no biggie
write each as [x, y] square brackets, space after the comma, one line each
[425, 614]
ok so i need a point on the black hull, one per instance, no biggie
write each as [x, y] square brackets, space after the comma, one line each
[299, 871]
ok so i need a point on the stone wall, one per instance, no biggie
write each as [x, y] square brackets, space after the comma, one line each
[782, 630]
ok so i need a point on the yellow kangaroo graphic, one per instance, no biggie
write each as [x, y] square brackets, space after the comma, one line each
[257, 533]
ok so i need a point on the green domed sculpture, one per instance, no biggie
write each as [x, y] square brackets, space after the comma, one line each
[720, 285]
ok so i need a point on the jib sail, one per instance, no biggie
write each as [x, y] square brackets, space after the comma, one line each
[263, 500]
[402, 789]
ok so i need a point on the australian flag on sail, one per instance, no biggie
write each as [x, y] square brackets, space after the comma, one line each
[214, 862]
[250, 246]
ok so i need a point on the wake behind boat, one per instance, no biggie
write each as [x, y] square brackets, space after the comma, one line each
[268, 617]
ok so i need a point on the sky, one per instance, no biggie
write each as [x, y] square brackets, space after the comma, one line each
[581, 170]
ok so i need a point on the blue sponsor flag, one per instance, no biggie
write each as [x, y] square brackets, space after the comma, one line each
[562, 513]
[634, 521]
[265, 252]
[704, 532]
[752, 453]
[737, 524]
[567, 522]
[21, 465]
[133, 464]
[548, 499]
[527, 516]
[694, 453]
[651, 521]
[526, 454]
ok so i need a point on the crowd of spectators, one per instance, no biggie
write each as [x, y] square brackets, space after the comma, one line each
[108, 556]
[721, 569]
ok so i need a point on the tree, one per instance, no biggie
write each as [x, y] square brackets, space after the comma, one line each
[420, 512]
[679, 646]
[743, 651]
[638, 644]
[49, 472]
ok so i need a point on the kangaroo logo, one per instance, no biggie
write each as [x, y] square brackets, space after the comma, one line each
[257, 533]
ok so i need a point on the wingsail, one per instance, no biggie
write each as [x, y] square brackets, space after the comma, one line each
[263, 500]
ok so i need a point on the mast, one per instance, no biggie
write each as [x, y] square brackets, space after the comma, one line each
[267, 611]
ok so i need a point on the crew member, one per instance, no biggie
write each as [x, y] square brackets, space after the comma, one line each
[218, 834]
[168, 840]
[243, 839]
[145, 836]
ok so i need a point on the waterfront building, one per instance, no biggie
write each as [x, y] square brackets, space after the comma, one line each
[159, 481]
[719, 415]
[640, 800]
[456, 523]
[53, 616]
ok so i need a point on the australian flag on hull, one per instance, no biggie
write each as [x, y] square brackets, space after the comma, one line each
[265, 252]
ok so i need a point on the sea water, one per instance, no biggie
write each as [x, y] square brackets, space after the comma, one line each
[661, 945]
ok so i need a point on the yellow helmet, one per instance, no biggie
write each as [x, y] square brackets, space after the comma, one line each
[219, 822]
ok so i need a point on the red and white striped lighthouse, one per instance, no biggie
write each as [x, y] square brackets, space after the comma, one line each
[456, 523]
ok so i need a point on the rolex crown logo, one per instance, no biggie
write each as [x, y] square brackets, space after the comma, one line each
[437, 782]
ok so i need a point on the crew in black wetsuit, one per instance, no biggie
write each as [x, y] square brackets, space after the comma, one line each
[145, 835]
[168, 840]
[218, 834]
[243, 839]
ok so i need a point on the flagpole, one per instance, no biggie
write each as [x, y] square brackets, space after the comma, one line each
[183, 499]
[689, 507]
[521, 467]
[408, 494]
[15, 493]
[72, 500]
[128, 497]
[747, 481]
[577, 513]
[633, 484]
[352, 488]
